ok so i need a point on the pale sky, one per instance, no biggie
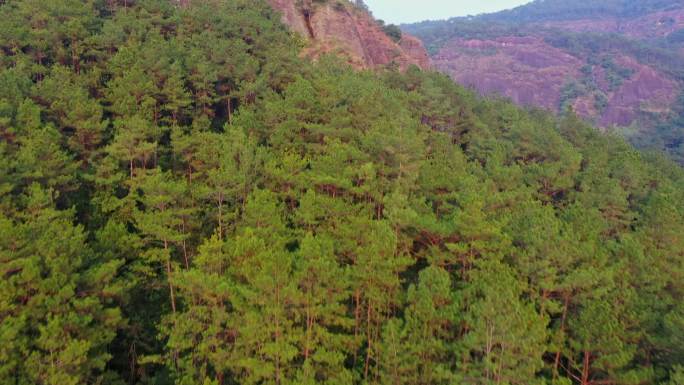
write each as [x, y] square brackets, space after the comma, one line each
[409, 11]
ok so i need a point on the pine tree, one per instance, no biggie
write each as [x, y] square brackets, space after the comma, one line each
[376, 266]
[324, 290]
[503, 335]
[420, 350]
[134, 144]
[57, 313]
[160, 221]
[229, 168]
[264, 296]
[202, 336]
[39, 159]
[75, 113]
[600, 342]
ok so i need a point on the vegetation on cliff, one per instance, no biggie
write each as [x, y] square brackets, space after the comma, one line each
[184, 200]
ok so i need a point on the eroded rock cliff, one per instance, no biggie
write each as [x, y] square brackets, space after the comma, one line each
[338, 26]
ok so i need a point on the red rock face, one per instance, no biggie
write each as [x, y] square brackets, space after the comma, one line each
[646, 90]
[534, 73]
[525, 69]
[415, 50]
[341, 28]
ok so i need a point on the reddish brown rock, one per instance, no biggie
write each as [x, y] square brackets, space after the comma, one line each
[534, 73]
[415, 49]
[646, 90]
[525, 69]
[341, 28]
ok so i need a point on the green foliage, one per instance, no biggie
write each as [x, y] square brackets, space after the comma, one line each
[415, 350]
[569, 93]
[504, 336]
[669, 134]
[677, 376]
[393, 31]
[186, 201]
[58, 313]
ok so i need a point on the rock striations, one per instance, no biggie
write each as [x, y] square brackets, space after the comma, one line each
[338, 26]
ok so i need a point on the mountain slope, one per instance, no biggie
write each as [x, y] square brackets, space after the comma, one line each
[615, 62]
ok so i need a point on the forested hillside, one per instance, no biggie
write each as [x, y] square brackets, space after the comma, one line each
[185, 200]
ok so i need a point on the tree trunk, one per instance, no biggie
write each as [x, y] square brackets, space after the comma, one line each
[230, 111]
[307, 12]
[357, 313]
[277, 337]
[369, 338]
[566, 304]
[220, 215]
[357, 320]
[185, 252]
[168, 277]
[309, 325]
[74, 56]
[585, 367]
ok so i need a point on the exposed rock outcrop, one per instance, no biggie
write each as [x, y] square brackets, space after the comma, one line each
[646, 90]
[533, 73]
[337, 26]
[525, 69]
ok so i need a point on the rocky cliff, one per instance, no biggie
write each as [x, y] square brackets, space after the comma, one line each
[338, 26]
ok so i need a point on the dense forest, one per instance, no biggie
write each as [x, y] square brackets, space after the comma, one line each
[184, 200]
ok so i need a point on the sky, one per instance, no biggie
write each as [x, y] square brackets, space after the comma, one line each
[409, 11]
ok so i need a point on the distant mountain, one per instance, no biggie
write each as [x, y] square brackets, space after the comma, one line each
[556, 10]
[618, 63]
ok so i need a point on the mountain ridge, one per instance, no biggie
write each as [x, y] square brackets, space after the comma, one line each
[563, 10]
